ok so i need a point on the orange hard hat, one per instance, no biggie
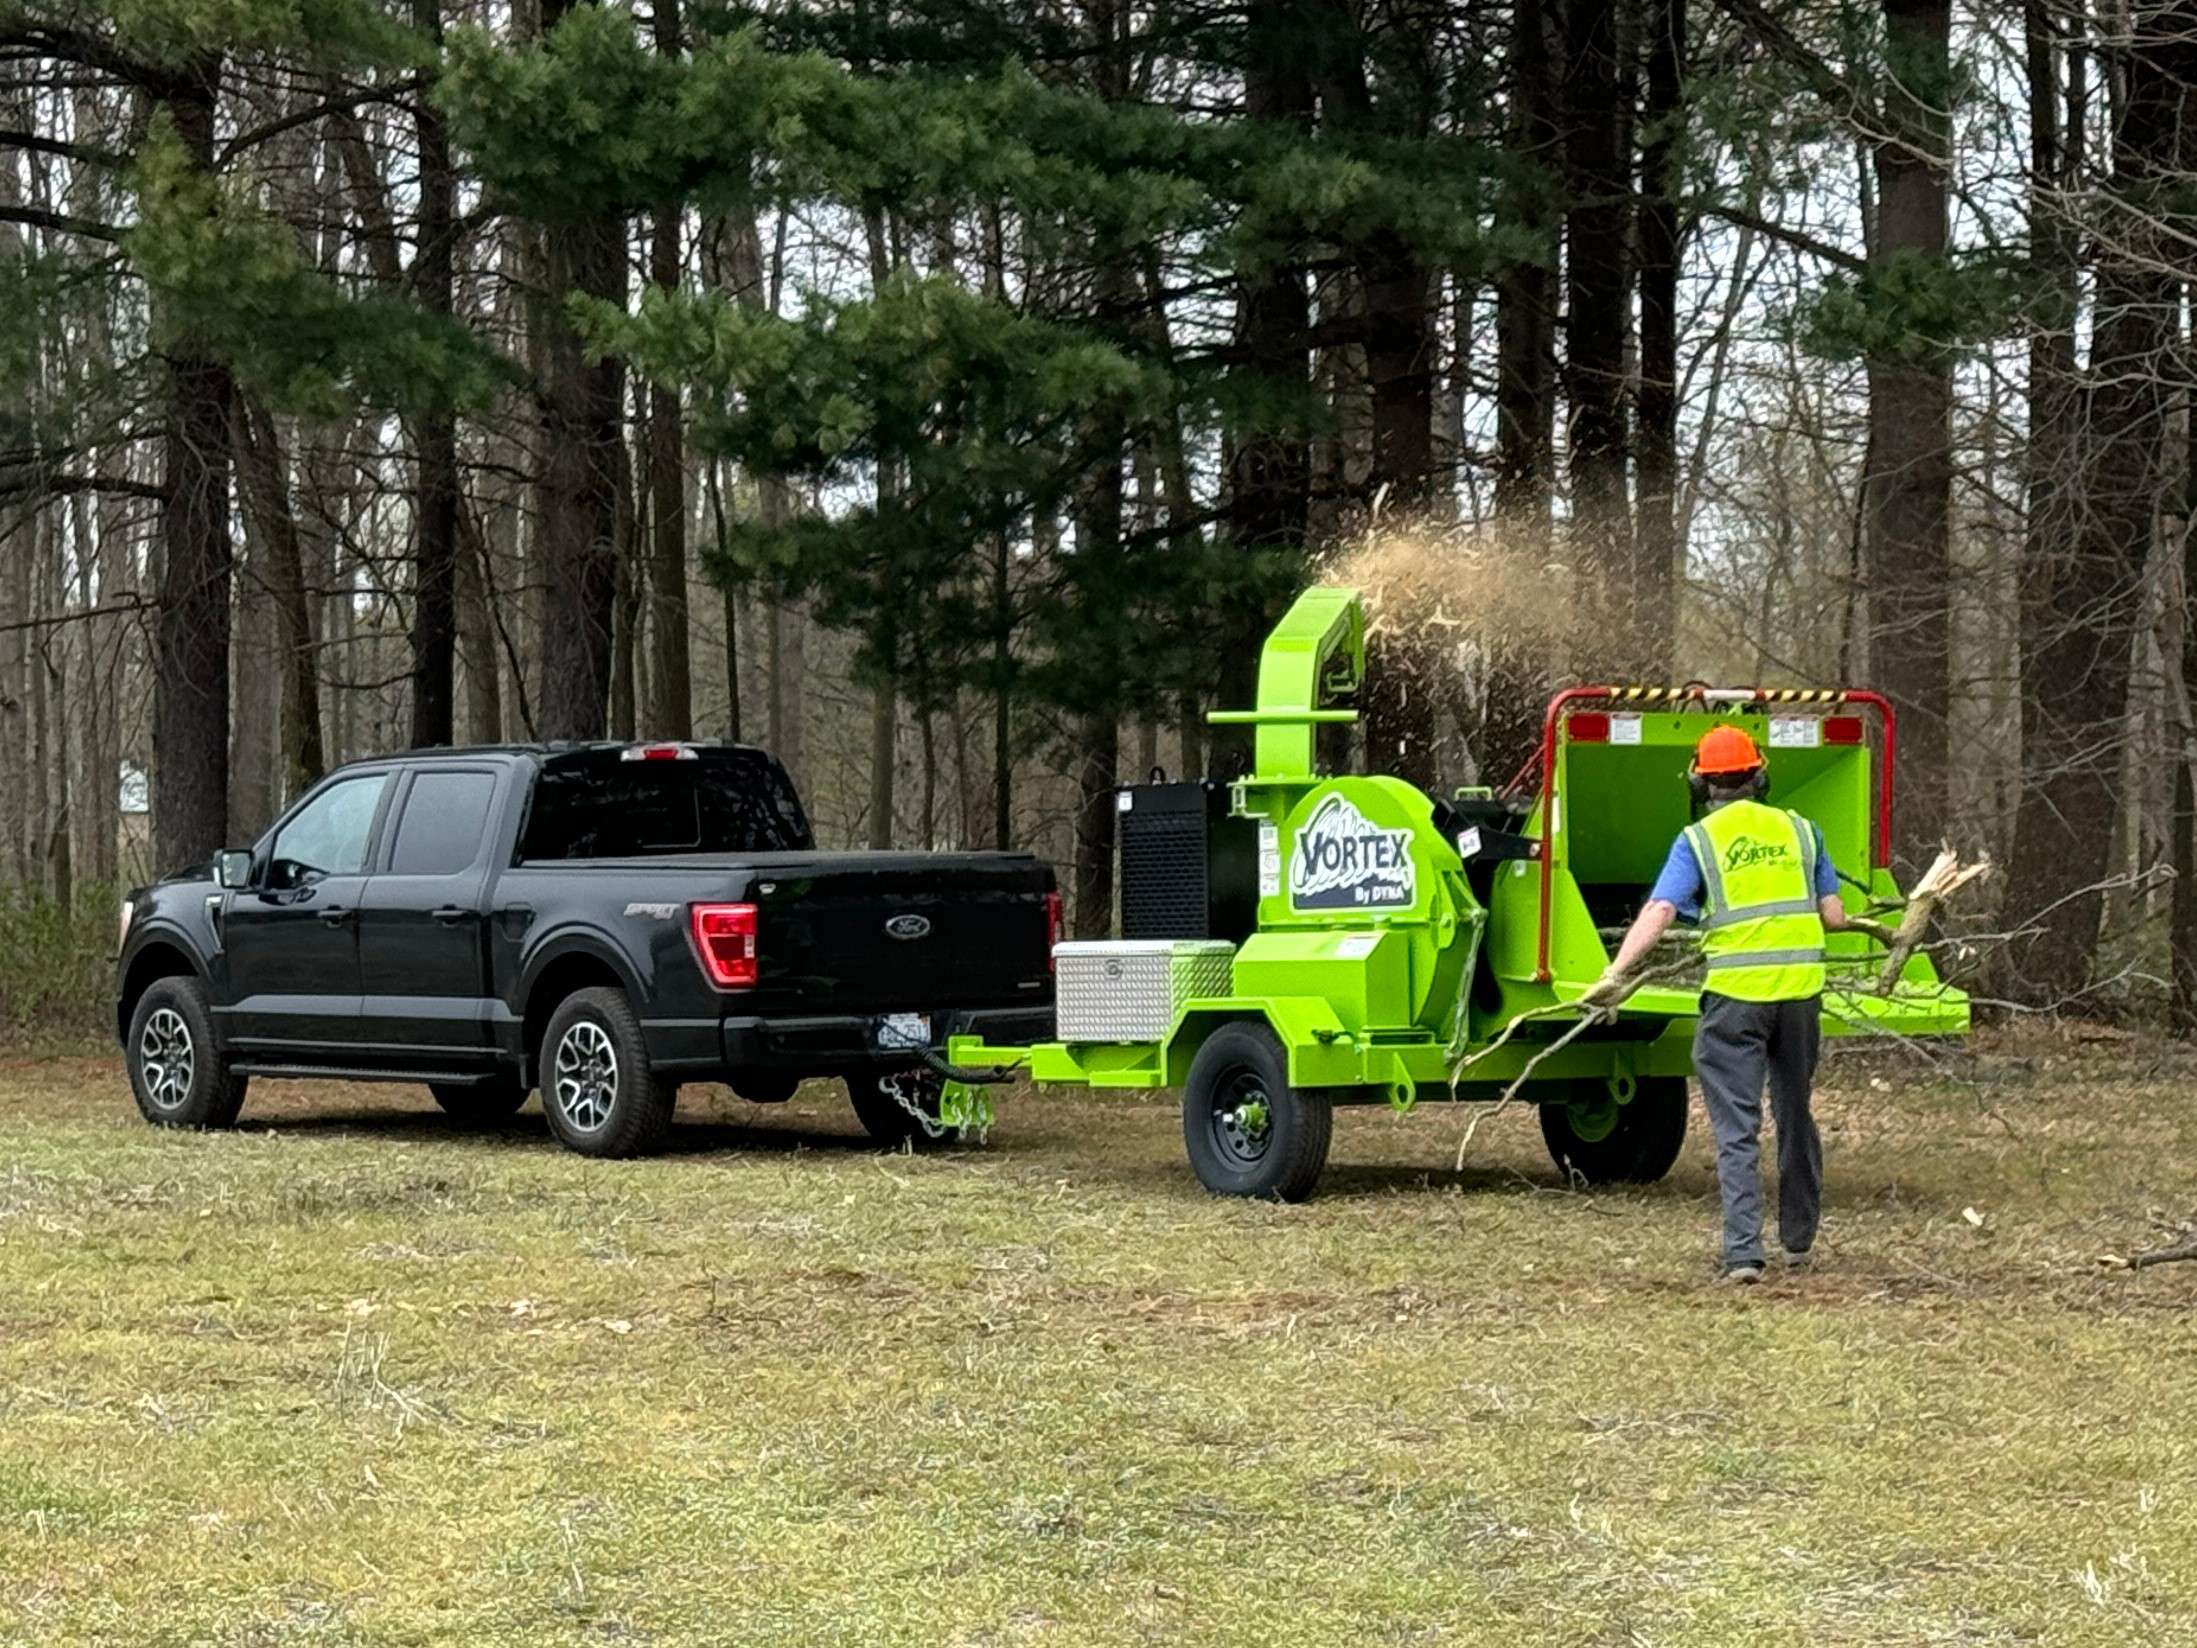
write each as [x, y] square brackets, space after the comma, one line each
[1726, 750]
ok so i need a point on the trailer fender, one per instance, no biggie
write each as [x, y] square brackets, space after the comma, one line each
[1321, 1051]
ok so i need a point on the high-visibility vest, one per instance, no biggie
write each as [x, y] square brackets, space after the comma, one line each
[1760, 927]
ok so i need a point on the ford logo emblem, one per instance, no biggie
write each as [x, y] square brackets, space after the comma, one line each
[909, 926]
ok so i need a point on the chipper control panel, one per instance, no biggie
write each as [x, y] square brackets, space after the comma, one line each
[1302, 939]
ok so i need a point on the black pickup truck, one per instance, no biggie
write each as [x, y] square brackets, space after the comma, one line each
[602, 921]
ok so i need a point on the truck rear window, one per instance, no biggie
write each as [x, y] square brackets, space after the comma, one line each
[592, 804]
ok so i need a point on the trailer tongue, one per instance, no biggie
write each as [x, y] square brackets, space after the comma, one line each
[1322, 940]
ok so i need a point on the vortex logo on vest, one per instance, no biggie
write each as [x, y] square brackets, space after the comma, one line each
[1343, 861]
[1747, 852]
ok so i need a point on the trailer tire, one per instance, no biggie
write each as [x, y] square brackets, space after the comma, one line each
[1638, 1146]
[1279, 1150]
[889, 1122]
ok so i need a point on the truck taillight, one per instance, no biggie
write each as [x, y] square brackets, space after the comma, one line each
[724, 943]
[1052, 927]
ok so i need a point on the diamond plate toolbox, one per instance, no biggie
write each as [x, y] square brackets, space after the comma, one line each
[1131, 989]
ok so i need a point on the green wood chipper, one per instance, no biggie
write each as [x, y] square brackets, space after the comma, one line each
[1301, 939]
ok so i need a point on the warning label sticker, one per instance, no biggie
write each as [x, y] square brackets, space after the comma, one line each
[1795, 732]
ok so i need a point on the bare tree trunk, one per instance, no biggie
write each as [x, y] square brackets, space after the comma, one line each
[1270, 479]
[191, 705]
[577, 486]
[625, 621]
[1657, 566]
[1909, 479]
[2076, 669]
[671, 694]
[263, 476]
[1525, 298]
[435, 432]
[477, 641]
[1597, 121]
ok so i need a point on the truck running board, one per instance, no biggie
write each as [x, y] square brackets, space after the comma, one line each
[342, 1072]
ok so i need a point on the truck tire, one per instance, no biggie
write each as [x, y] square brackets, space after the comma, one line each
[178, 1073]
[479, 1104]
[1248, 1131]
[888, 1121]
[598, 1091]
[1632, 1143]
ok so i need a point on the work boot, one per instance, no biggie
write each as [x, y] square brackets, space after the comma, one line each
[1746, 1274]
[1803, 1260]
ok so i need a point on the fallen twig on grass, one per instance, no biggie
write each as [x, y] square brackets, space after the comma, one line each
[2155, 1256]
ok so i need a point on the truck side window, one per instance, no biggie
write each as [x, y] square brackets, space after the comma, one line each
[329, 836]
[445, 817]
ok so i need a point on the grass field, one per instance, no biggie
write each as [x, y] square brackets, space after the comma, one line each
[349, 1376]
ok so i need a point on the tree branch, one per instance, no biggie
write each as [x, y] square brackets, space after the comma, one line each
[54, 146]
[1832, 86]
[1799, 239]
[37, 217]
[395, 92]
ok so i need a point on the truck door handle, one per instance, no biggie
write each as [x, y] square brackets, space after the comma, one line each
[336, 917]
[451, 914]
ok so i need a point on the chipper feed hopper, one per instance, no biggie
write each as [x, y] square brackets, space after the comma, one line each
[1302, 939]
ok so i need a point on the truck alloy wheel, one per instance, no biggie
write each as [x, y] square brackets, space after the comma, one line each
[598, 1091]
[178, 1074]
[586, 1074]
[166, 1057]
[1248, 1131]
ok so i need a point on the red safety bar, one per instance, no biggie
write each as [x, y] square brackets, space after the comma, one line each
[1706, 698]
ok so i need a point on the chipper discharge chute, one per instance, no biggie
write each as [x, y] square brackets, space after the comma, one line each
[1303, 939]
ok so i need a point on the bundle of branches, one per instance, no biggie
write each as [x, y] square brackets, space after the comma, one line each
[1946, 876]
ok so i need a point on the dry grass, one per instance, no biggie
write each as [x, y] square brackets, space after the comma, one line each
[347, 1376]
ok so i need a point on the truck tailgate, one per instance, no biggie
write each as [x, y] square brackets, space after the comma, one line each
[887, 932]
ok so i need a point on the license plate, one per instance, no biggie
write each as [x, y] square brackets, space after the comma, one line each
[904, 1031]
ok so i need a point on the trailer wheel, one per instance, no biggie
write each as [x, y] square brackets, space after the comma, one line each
[1248, 1131]
[1604, 1142]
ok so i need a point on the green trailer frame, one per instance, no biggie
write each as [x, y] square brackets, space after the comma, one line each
[1385, 988]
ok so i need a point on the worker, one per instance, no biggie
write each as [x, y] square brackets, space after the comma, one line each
[1762, 887]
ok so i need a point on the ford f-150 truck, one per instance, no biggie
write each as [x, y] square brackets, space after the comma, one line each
[601, 921]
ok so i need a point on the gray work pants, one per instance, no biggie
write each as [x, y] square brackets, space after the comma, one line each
[1737, 1046]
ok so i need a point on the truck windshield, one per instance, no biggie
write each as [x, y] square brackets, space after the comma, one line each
[592, 804]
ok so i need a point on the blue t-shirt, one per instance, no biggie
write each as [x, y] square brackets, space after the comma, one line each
[1680, 882]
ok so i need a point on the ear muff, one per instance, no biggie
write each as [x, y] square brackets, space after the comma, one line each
[1697, 784]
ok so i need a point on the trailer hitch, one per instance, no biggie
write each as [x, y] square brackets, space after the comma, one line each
[996, 1075]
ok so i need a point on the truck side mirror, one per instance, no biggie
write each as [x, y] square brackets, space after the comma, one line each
[233, 868]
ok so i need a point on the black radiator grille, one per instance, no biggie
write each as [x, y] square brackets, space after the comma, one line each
[1163, 893]
[1188, 869]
